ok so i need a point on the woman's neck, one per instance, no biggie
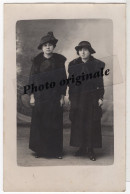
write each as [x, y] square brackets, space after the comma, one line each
[85, 59]
[47, 55]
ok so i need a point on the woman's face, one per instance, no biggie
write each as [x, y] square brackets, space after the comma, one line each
[84, 53]
[48, 48]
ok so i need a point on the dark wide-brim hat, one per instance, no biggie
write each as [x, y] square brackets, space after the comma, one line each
[85, 44]
[48, 38]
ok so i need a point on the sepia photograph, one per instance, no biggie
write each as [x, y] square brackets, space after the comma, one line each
[65, 92]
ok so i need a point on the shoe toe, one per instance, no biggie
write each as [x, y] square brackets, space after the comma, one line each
[92, 157]
[59, 157]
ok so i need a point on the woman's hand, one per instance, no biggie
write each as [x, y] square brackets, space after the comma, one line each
[69, 102]
[100, 102]
[62, 100]
[32, 100]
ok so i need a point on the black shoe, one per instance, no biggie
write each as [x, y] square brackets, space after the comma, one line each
[37, 156]
[91, 155]
[80, 152]
[59, 157]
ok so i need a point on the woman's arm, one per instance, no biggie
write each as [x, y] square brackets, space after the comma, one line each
[31, 81]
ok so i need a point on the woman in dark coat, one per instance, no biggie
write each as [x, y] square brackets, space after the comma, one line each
[47, 98]
[86, 99]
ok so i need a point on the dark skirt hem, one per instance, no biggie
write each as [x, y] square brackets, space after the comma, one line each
[46, 154]
[79, 145]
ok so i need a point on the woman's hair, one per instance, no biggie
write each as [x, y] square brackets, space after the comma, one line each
[51, 42]
[83, 47]
[77, 52]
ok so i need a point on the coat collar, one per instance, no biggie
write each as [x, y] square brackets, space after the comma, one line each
[91, 58]
[40, 58]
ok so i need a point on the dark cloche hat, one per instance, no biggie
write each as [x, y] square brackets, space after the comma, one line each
[47, 38]
[85, 44]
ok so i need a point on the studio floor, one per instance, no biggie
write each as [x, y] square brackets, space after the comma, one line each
[26, 157]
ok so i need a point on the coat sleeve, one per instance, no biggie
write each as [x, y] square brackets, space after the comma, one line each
[70, 72]
[63, 77]
[31, 76]
[100, 83]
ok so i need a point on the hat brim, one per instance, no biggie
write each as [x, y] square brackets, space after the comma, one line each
[50, 41]
[91, 50]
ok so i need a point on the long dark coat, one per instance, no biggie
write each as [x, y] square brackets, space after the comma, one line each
[85, 113]
[46, 134]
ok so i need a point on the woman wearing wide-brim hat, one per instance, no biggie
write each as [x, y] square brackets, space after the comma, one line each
[46, 134]
[86, 101]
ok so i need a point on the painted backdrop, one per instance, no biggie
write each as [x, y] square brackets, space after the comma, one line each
[99, 32]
